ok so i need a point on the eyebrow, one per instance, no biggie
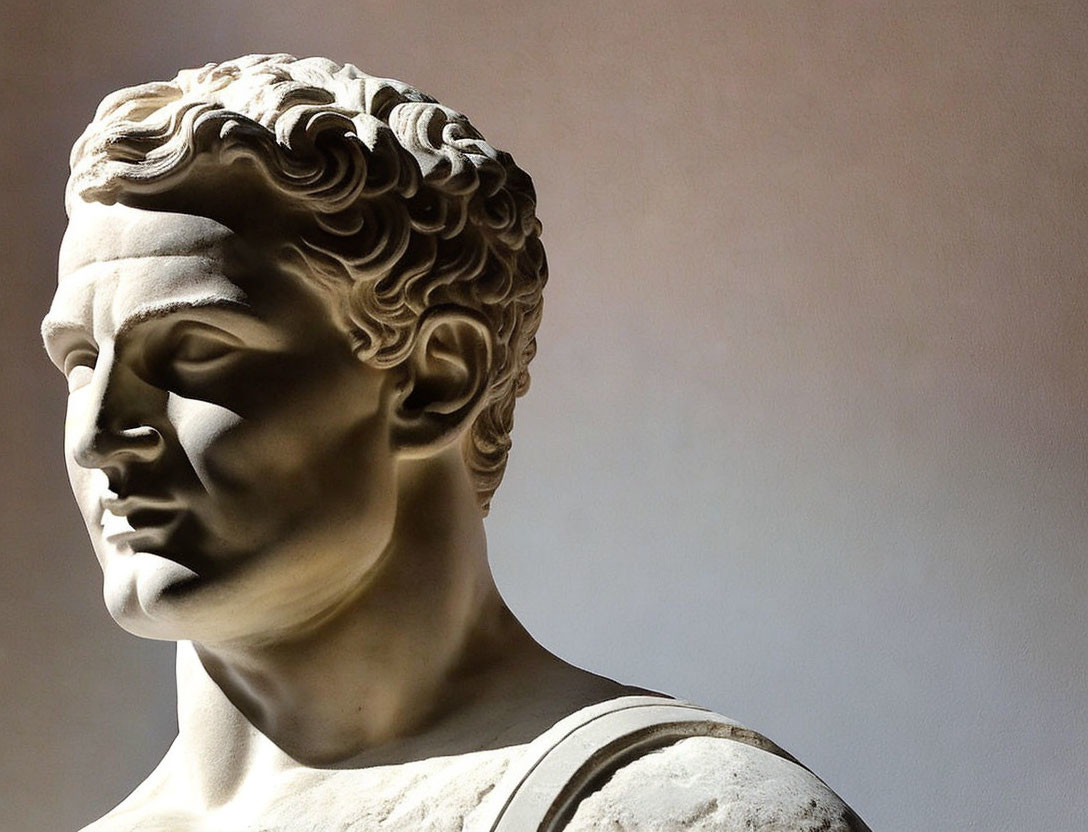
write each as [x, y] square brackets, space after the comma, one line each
[54, 329]
[154, 311]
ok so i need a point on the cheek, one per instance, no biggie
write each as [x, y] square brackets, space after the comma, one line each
[206, 433]
[74, 420]
[297, 455]
[88, 487]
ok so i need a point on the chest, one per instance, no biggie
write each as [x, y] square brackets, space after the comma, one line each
[436, 795]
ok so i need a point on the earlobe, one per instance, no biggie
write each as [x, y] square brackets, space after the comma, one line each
[445, 379]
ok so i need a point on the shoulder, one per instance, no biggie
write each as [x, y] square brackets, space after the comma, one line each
[714, 784]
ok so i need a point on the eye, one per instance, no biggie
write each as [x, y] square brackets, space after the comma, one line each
[198, 349]
[79, 367]
[202, 349]
[183, 355]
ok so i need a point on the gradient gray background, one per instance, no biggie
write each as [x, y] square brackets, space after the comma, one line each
[807, 436]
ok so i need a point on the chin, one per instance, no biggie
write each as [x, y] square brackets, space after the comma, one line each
[151, 596]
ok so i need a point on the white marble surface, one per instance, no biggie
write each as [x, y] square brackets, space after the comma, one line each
[295, 305]
[891, 486]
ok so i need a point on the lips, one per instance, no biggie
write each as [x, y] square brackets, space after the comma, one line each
[139, 521]
[131, 505]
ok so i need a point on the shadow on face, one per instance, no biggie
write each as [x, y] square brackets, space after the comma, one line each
[230, 455]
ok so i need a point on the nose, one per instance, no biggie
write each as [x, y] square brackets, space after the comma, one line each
[117, 420]
[97, 448]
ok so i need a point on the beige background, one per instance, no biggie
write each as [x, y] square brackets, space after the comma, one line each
[807, 436]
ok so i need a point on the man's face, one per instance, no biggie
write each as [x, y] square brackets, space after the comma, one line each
[229, 453]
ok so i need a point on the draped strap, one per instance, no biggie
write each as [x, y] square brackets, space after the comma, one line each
[576, 756]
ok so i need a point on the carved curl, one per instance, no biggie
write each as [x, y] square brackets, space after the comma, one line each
[407, 206]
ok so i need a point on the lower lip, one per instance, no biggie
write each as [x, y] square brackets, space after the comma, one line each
[119, 532]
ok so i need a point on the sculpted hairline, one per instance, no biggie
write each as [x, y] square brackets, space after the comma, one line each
[404, 205]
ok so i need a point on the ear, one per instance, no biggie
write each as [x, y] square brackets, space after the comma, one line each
[444, 381]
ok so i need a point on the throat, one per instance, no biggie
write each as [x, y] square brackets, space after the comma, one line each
[427, 662]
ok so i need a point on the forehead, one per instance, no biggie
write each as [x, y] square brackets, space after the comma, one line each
[119, 263]
[100, 233]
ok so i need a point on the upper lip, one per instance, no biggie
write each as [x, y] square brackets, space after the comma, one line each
[128, 505]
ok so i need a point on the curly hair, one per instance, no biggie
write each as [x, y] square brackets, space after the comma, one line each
[406, 207]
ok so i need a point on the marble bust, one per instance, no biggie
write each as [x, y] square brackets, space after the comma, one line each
[296, 305]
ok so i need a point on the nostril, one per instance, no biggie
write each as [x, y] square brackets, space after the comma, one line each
[144, 434]
[100, 448]
[143, 442]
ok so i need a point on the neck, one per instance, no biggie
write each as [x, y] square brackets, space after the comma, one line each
[393, 669]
